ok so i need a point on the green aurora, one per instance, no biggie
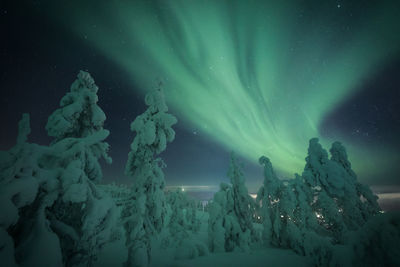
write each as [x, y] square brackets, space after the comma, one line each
[258, 77]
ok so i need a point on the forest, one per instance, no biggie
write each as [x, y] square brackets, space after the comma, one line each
[55, 210]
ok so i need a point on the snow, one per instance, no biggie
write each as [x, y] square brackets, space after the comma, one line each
[42, 241]
[114, 254]
[261, 257]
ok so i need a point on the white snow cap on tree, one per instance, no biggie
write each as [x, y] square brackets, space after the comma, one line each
[79, 115]
[154, 127]
[153, 130]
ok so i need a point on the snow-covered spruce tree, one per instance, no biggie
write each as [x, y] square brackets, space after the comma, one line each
[79, 117]
[320, 174]
[146, 214]
[287, 216]
[328, 205]
[341, 203]
[222, 225]
[269, 196]
[244, 205]
[81, 216]
[25, 193]
[231, 214]
[363, 205]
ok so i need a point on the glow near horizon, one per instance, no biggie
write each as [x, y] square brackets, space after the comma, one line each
[257, 78]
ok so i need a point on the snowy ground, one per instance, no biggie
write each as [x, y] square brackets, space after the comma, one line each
[114, 254]
[262, 257]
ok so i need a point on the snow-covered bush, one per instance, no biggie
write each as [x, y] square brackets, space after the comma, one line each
[183, 212]
[377, 242]
[182, 225]
[146, 215]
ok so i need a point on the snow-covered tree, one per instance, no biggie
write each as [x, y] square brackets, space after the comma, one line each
[81, 215]
[146, 215]
[326, 205]
[25, 193]
[269, 196]
[231, 214]
[362, 204]
[326, 185]
[59, 211]
[340, 202]
[222, 226]
[244, 206]
[79, 116]
[182, 226]
[183, 212]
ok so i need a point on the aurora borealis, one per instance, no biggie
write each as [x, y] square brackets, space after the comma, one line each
[255, 77]
[258, 77]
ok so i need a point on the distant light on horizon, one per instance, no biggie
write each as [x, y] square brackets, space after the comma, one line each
[389, 201]
[254, 196]
[193, 188]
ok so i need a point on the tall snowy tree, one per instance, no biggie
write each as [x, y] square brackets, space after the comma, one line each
[320, 174]
[81, 216]
[287, 216]
[146, 214]
[79, 116]
[341, 203]
[244, 206]
[269, 197]
[231, 214]
[363, 204]
[223, 228]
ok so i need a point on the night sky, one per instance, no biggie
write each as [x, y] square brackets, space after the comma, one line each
[255, 77]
